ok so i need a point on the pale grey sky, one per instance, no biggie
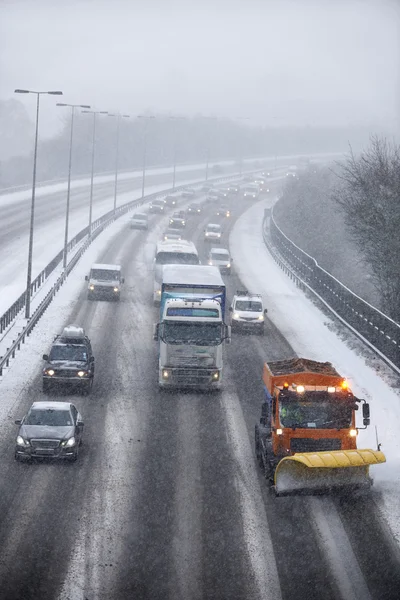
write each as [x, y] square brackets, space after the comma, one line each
[279, 62]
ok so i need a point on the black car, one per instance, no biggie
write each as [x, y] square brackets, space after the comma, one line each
[170, 200]
[177, 223]
[194, 209]
[157, 206]
[70, 362]
[49, 429]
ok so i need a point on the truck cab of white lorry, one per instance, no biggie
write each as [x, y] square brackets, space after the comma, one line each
[191, 332]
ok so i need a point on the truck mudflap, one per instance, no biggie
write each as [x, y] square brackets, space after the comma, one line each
[312, 472]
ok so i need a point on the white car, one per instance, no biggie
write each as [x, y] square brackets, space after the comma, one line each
[140, 221]
[247, 312]
[221, 258]
[213, 233]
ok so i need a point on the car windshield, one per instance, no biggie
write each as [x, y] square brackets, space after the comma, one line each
[248, 305]
[214, 228]
[140, 217]
[50, 417]
[314, 411]
[176, 258]
[199, 334]
[219, 256]
[104, 275]
[68, 352]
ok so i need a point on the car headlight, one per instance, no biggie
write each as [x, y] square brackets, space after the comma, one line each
[21, 441]
[166, 373]
[261, 317]
[91, 287]
[207, 234]
[69, 443]
[198, 210]
[116, 289]
[218, 235]
[210, 262]
[158, 292]
[228, 266]
[236, 315]
[82, 373]
[215, 376]
[49, 372]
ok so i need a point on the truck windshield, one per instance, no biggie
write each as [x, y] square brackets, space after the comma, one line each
[199, 334]
[176, 258]
[317, 414]
[68, 352]
[104, 275]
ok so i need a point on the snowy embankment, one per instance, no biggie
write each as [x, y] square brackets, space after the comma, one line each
[312, 335]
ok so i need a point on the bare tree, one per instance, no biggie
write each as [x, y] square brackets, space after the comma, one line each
[369, 195]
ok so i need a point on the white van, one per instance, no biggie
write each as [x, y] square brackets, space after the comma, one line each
[104, 282]
[221, 258]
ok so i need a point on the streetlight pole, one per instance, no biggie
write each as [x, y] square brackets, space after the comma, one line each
[119, 116]
[175, 149]
[32, 218]
[241, 145]
[145, 117]
[94, 113]
[208, 145]
[72, 106]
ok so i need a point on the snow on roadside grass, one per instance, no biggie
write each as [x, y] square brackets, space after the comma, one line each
[311, 334]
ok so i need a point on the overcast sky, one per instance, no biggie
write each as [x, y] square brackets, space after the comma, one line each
[322, 62]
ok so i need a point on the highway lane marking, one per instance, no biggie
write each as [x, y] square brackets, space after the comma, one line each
[336, 547]
[255, 525]
[187, 541]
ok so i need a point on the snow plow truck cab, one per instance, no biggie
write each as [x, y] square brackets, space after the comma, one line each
[307, 437]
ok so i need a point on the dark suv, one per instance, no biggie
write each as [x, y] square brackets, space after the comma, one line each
[70, 362]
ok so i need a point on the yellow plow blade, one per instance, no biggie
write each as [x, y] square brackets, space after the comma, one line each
[324, 471]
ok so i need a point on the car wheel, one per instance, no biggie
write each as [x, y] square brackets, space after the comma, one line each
[86, 389]
[45, 387]
[17, 457]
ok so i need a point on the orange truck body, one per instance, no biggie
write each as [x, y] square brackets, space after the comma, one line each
[307, 373]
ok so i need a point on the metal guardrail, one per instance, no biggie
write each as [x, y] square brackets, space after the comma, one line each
[97, 227]
[376, 329]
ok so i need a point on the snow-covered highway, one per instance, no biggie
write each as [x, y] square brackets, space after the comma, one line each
[166, 499]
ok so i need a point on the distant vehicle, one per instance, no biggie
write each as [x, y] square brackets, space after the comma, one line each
[266, 173]
[224, 192]
[221, 258]
[194, 209]
[172, 234]
[104, 282]
[177, 222]
[49, 430]
[248, 313]
[188, 193]
[262, 184]
[207, 186]
[214, 195]
[171, 200]
[223, 211]
[157, 206]
[70, 362]
[251, 190]
[234, 188]
[140, 221]
[172, 253]
[292, 171]
[213, 233]
[180, 214]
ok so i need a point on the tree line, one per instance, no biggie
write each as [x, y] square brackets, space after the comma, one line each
[348, 217]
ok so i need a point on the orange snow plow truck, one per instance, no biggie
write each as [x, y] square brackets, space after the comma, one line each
[307, 437]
